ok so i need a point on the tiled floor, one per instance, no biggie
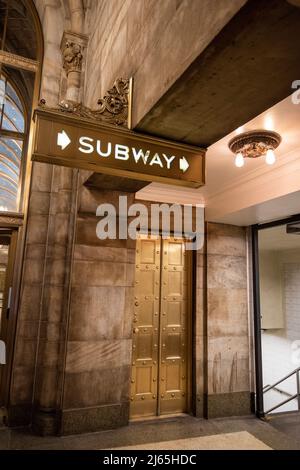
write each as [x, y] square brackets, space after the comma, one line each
[228, 441]
[288, 423]
[274, 436]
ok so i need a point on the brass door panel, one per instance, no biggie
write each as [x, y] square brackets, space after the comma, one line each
[173, 328]
[145, 328]
[160, 362]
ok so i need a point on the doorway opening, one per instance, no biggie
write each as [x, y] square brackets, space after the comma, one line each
[8, 240]
[277, 315]
[161, 354]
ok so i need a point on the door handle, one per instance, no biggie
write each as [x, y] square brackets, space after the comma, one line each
[135, 330]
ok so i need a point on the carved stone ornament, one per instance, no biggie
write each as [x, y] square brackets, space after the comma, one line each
[113, 107]
[72, 57]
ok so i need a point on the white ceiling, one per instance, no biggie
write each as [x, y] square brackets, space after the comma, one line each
[276, 238]
[273, 209]
[244, 196]
[283, 118]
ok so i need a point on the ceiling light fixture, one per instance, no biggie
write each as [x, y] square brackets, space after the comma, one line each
[255, 144]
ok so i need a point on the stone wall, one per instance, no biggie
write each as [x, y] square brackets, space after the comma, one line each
[73, 341]
[43, 308]
[228, 361]
[41, 327]
[98, 366]
[153, 41]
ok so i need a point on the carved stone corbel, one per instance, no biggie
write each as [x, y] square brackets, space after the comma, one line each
[73, 47]
[114, 107]
[72, 57]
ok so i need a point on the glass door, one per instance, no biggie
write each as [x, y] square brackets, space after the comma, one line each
[7, 256]
[276, 251]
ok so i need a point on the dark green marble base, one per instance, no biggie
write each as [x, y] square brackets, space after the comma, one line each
[200, 406]
[228, 404]
[84, 420]
[252, 402]
[46, 423]
[94, 419]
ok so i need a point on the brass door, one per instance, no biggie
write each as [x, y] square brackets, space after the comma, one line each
[160, 357]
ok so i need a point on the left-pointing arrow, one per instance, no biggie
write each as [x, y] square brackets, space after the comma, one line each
[63, 140]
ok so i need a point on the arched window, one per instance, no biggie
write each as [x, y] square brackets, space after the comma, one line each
[12, 134]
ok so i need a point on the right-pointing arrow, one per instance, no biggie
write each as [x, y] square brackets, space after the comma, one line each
[183, 164]
[63, 140]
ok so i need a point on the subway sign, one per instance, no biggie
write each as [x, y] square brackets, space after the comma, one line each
[64, 139]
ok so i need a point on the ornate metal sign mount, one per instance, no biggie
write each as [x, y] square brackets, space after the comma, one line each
[114, 108]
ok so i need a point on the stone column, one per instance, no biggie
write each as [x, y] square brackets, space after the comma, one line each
[43, 311]
[228, 363]
[54, 306]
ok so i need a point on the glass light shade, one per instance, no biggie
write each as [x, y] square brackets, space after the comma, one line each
[239, 160]
[270, 157]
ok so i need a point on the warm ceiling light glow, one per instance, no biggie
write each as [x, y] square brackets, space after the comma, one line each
[239, 160]
[239, 130]
[270, 157]
[269, 123]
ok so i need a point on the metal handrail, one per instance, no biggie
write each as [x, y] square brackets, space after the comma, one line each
[279, 390]
[292, 397]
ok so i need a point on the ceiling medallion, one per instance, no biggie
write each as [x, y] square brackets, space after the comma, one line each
[255, 144]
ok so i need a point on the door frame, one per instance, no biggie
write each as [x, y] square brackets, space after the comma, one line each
[259, 402]
[14, 224]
